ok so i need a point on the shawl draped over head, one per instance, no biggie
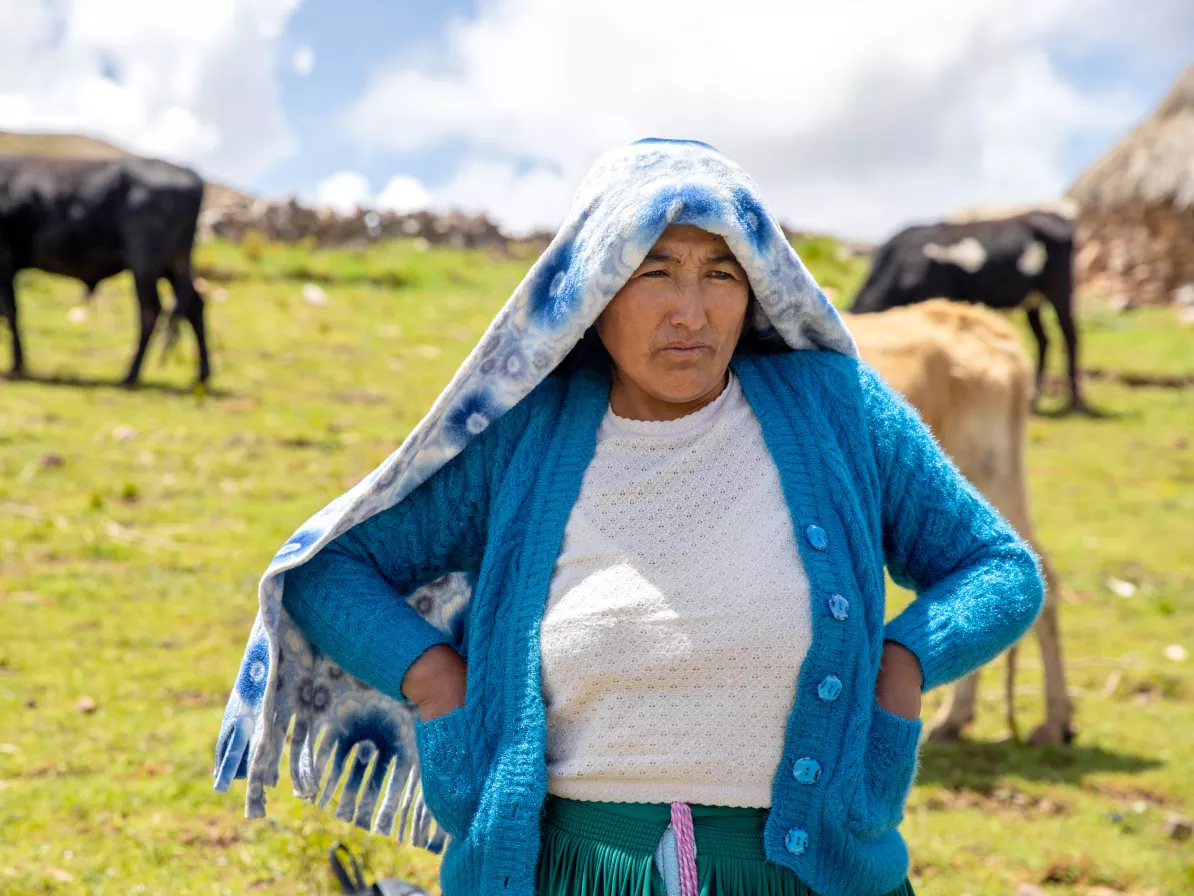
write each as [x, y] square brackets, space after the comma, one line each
[284, 685]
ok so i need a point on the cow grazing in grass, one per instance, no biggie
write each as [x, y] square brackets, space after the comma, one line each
[91, 219]
[1006, 263]
[964, 370]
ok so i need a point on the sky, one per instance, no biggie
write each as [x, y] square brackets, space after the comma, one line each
[854, 117]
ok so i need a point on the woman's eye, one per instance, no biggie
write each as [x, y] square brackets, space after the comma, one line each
[656, 273]
[722, 275]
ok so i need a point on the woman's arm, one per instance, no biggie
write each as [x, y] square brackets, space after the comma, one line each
[978, 585]
[349, 599]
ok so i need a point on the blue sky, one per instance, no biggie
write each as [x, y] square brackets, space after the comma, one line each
[853, 117]
[349, 40]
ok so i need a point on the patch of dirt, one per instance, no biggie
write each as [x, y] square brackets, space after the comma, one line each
[1136, 379]
[52, 770]
[153, 769]
[361, 396]
[1080, 871]
[1127, 793]
[308, 442]
[241, 404]
[210, 835]
[195, 699]
[1004, 802]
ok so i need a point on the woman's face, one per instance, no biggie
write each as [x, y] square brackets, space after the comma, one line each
[673, 327]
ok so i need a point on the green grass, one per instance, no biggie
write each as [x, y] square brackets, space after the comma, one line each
[134, 527]
[839, 276]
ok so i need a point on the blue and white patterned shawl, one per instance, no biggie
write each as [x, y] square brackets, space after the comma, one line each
[621, 208]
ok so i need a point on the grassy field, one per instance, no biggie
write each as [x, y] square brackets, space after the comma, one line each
[134, 527]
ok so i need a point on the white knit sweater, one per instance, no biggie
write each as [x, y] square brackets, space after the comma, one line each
[678, 616]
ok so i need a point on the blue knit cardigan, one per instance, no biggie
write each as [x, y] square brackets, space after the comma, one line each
[867, 487]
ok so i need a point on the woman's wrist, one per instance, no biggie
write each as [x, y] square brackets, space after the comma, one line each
[898, 687]
[436, 678]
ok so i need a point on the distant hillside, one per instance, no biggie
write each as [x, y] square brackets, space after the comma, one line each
[80, 147]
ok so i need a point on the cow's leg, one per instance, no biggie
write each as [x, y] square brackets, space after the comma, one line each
[956, 712]
[150, 305]
[1009, 690]
[1058, 725]
[1042, 350]
[1069, 332]
[1058, 289]
[189, 305]
[8, 311]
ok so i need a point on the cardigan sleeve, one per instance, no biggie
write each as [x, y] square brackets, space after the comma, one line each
[349, 599]
[978, 584]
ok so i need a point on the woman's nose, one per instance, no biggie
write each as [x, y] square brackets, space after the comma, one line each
[688, 309]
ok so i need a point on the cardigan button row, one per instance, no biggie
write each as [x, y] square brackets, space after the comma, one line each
[808, 770]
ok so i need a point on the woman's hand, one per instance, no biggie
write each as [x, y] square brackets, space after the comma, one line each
[897, 688]
[436, 682]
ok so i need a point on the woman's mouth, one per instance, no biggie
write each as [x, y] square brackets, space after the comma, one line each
[685, 349]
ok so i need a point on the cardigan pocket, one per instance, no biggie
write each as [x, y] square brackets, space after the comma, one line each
[889, 767]
[447, 770]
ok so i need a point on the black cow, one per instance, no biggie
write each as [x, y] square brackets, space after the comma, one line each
[91, 219]
[1007, 263]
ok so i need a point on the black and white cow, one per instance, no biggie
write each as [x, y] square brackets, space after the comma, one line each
[1007, 263]
[91, 219]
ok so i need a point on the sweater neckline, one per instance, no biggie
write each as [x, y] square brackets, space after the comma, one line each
[690, 424]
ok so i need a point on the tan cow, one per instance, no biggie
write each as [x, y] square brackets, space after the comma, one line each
[966, 372]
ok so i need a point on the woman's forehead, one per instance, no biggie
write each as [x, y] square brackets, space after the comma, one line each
[686, 238]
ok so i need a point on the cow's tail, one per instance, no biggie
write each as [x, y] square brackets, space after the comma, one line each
[172, 326]
[185, 296]
[178, 314]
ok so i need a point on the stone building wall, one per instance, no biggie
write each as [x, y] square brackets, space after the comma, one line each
[1140, 253]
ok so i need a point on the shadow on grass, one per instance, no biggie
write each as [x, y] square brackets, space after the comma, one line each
[1083, 412]
[981, 765]
[74, 381]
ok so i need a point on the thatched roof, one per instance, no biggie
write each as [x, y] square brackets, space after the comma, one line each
[1153, 165]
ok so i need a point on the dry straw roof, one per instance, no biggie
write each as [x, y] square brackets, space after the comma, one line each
[1153, 164]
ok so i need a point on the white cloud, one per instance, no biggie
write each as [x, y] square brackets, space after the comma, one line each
[347, 191]
[344, 191]
[403, 193]
[521, 200]
[852, 117]
[190, 80]
[303, 61]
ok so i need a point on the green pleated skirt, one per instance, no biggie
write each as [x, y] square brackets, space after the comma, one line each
[608, 849]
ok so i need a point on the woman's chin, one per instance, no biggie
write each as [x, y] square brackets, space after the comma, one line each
[689, 390]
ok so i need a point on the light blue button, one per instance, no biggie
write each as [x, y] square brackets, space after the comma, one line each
[807, 770]
[796, 840]
[839, 607]
[829, 688]
[817, 537]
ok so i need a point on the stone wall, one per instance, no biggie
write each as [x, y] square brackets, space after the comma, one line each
[288, 221]
[1140, 254]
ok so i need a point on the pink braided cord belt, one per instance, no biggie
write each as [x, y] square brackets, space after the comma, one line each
[685, 848]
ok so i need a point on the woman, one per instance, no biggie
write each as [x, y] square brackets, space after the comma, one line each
[672, 489]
